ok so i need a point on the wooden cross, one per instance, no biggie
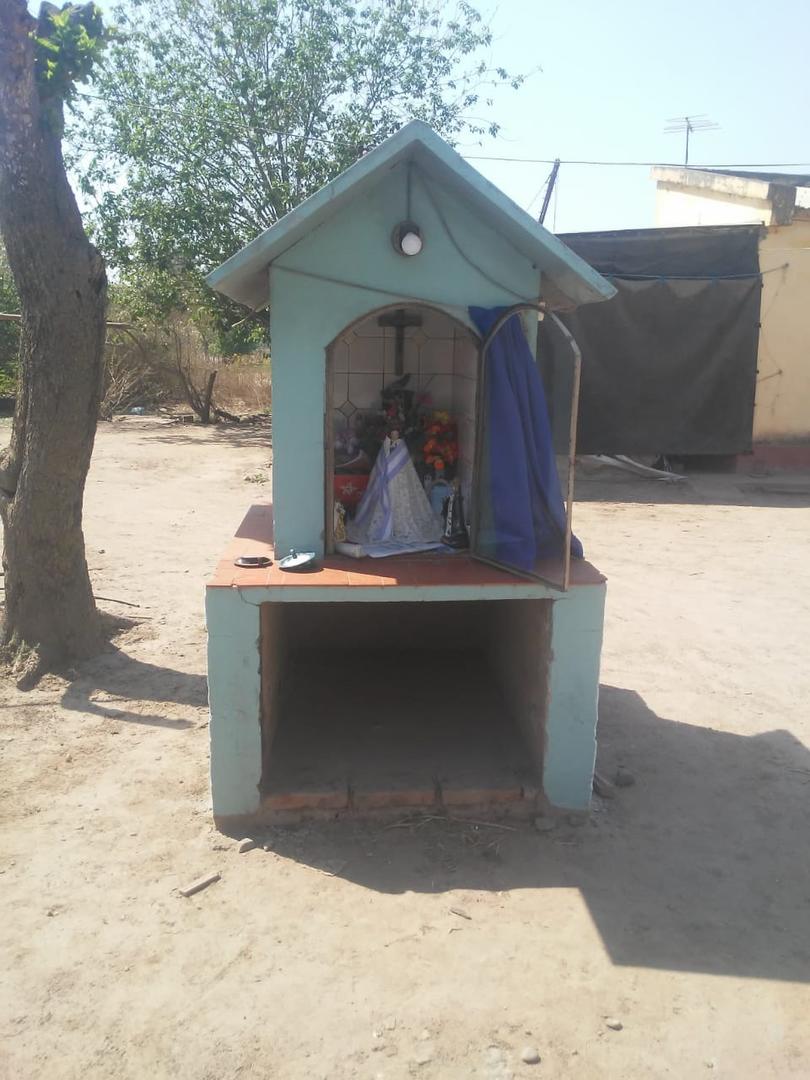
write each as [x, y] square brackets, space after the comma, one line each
[399, 319]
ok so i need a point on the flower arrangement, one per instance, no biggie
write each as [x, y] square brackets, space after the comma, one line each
[430, 434]
[440, 448]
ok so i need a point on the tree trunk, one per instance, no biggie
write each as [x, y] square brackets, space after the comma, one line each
[62, 285]
[208, 393]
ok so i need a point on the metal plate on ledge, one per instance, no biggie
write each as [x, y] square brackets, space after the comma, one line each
[298, 561]
[252, 561]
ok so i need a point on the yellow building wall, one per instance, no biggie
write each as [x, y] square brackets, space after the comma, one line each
[782, 404]
[782, 407]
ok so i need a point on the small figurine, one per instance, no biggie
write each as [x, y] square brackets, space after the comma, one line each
[440, 491]
[340, 522]
[455, 528]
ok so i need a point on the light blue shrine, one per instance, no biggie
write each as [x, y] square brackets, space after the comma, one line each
[331, 261]
[322, 268]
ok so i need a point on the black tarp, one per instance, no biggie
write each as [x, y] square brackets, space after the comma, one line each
[669, 364]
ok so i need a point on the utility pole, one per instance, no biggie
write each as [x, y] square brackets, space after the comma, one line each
[545, 366]
[552, 179]
[688, 124]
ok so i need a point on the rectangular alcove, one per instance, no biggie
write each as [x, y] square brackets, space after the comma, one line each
[391, 706]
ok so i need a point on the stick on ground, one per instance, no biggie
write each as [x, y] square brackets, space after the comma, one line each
[200, 884]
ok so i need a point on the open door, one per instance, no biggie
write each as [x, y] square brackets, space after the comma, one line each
[521, 522]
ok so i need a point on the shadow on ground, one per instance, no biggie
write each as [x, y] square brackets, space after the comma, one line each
[703, 865]
[697, 489]
[109, 683]
[250, 433]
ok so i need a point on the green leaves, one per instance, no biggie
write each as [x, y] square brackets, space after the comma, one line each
[69, 43]
[217, 117]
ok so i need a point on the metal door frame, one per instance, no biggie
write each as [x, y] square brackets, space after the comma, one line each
[486, 341]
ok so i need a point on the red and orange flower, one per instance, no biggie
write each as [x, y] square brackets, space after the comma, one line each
[440, 448]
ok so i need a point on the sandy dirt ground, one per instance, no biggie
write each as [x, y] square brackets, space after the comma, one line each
[681, 911]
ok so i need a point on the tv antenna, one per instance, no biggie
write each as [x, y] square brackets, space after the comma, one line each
[688, 124]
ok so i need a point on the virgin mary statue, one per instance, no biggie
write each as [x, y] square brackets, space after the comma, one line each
[394, 507]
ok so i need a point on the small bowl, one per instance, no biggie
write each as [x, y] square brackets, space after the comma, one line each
[252, 562]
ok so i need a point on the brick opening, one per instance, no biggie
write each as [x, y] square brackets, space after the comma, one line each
[369, 706]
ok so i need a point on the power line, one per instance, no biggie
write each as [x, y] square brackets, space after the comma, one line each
[639, 164]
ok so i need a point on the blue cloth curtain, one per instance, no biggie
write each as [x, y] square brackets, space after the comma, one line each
[526, 503]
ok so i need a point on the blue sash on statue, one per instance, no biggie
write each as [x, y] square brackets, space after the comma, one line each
[388, 464]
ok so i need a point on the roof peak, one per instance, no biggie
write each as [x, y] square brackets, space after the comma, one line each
[243, 276]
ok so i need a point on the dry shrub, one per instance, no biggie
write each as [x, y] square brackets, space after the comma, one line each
[173, 365]
[135, 374]
[236, 385]
[242, 383]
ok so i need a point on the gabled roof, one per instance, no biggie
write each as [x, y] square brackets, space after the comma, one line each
[243, 277]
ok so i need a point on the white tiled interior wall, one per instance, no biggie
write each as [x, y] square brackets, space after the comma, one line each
[441, 358]
[364, 361]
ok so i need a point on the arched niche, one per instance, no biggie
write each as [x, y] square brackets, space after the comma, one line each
[433, 348]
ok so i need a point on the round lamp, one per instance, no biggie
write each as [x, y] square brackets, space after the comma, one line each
[407, 239]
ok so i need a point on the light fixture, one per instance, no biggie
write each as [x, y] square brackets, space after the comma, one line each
[407, 239]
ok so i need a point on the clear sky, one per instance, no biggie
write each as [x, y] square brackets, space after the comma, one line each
[613, 73]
